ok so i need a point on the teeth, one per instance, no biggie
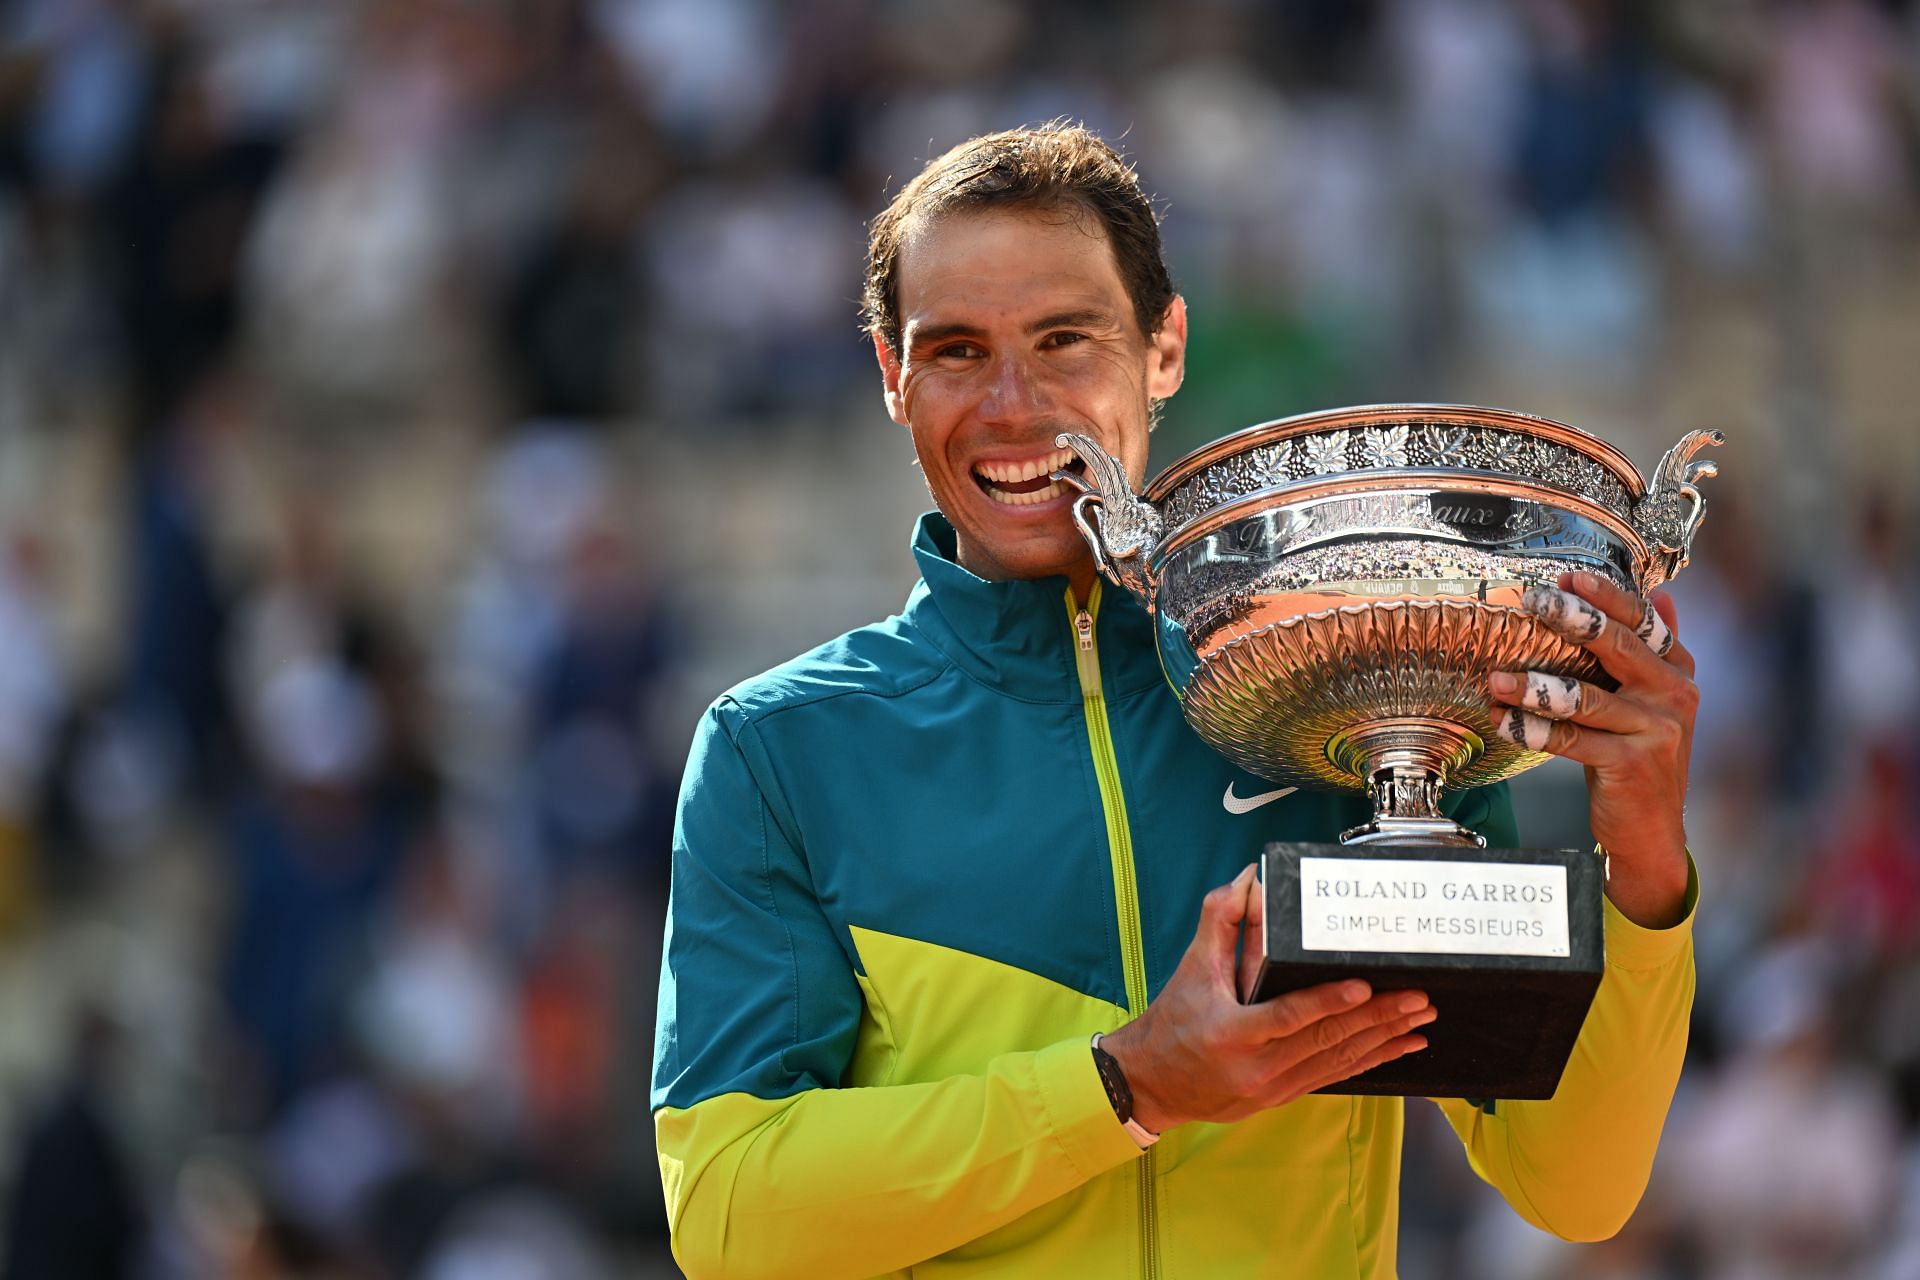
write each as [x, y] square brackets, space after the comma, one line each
[1014, 472]
[1052, 491]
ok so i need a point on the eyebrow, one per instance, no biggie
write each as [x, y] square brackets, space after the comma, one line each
[1082, 318]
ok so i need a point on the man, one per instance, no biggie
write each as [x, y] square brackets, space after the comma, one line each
[918, 868]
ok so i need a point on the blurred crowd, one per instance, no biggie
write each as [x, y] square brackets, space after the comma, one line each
[332, 870]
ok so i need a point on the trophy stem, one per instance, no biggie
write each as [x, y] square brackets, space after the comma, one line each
[1405, 763]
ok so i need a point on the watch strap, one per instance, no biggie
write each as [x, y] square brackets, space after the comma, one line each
[1120, 1095]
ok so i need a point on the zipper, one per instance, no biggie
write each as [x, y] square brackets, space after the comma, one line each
[1126, 890]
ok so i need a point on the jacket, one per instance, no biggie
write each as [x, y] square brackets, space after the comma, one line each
[916, 868]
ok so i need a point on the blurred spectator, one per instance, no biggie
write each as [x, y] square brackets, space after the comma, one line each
[319, 835]
[95, 69]
[753, 265]
[434, 1010]
[605, 797]
[33, 700]
[179, 603]
[74, 1211]
[1869, 633]
[1787, 1159]
[1835, 91]
[180, 216]
[570, 1014]
[1864, 891]
[1572, 279]
[1709, 175]
[569, 324]
[315, 848]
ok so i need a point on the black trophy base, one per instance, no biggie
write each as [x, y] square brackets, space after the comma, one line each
[1507, 1019]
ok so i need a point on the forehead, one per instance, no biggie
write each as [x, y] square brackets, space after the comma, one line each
[999, 260]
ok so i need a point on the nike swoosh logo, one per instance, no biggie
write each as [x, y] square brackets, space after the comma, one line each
[1235, 804]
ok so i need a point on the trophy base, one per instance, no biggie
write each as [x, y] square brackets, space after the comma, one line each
[1505, 942]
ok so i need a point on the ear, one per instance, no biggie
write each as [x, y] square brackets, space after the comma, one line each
[1167, 359]
[890, 380]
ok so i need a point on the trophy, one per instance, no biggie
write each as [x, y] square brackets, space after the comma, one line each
[1330, 593]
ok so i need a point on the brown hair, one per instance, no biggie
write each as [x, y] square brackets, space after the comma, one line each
[1049, 166]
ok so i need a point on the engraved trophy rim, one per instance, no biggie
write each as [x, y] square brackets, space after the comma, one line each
[1275, 430]
[1395, 480]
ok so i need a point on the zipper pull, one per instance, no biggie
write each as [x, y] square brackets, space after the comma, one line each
[1083, 627]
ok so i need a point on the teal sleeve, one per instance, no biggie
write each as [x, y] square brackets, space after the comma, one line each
[770, 1165]
[756, 994]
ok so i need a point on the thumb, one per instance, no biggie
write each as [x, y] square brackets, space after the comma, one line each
[1221, 914]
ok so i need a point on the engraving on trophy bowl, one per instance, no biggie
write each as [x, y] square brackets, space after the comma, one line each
[1333, 589]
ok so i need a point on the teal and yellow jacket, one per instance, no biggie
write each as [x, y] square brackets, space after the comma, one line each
[916, 868]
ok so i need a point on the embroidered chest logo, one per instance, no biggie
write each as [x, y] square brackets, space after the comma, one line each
[1236, 804]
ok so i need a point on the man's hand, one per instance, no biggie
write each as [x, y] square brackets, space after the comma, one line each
[1635, 742]
[1197, 1053]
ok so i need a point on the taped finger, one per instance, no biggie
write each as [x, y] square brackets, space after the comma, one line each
[1654, 630]
[1570, 617]
[1522, 728]
[1552, 696]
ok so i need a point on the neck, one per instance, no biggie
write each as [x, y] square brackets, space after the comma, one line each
[1081, 581]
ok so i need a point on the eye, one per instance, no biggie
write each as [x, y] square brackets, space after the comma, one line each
[959, 351]
[1065, 338]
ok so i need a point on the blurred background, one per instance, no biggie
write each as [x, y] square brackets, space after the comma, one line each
[413, 412]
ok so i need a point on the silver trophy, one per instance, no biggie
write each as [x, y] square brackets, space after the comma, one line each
[1332, 590]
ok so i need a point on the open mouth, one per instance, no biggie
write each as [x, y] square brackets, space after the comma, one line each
[1027, 483]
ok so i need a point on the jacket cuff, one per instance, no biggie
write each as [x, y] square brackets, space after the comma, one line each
[1077, 1108]
[1632, 947]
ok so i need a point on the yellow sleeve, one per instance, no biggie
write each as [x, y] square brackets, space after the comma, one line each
[1576, 1164]
[861, 1181]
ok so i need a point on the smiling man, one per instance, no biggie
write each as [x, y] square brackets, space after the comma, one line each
[950, 978]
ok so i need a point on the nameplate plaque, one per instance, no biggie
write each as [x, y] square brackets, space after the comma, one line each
[1433, 907]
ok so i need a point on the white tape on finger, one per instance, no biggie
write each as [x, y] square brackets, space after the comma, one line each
[1654, 630]
[1523, 729]
[1555, 697]
[1569, 616]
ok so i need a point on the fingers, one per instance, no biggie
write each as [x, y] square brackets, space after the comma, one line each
[1397, 1047]
[1653, 630]
[1633, 639]
[1252, 941]
[1360, 1046]
[1221, 913]
[1580, 622]
[1536, 699]
[1320, 1020]
[1360, 1052]
[1295, 1011]
[1654, 620]
[1571, 618]
[1524, 729]
[1677, 654]
[1553, 696]
[1628, 635]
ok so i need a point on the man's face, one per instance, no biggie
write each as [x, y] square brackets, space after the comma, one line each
[1015, 326]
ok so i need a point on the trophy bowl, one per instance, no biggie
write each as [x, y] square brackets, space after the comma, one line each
[1331, 590]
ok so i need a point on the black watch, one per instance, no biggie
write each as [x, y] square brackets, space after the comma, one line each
[1120, 1094]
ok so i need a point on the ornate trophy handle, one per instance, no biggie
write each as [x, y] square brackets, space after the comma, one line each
[1672, 510]
[1120, 526]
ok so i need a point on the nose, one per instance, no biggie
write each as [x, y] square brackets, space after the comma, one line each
[1018, 389]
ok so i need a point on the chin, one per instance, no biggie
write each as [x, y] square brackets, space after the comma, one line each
[1059, 559]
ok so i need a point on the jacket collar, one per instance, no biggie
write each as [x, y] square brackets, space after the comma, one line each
[1017, 636]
